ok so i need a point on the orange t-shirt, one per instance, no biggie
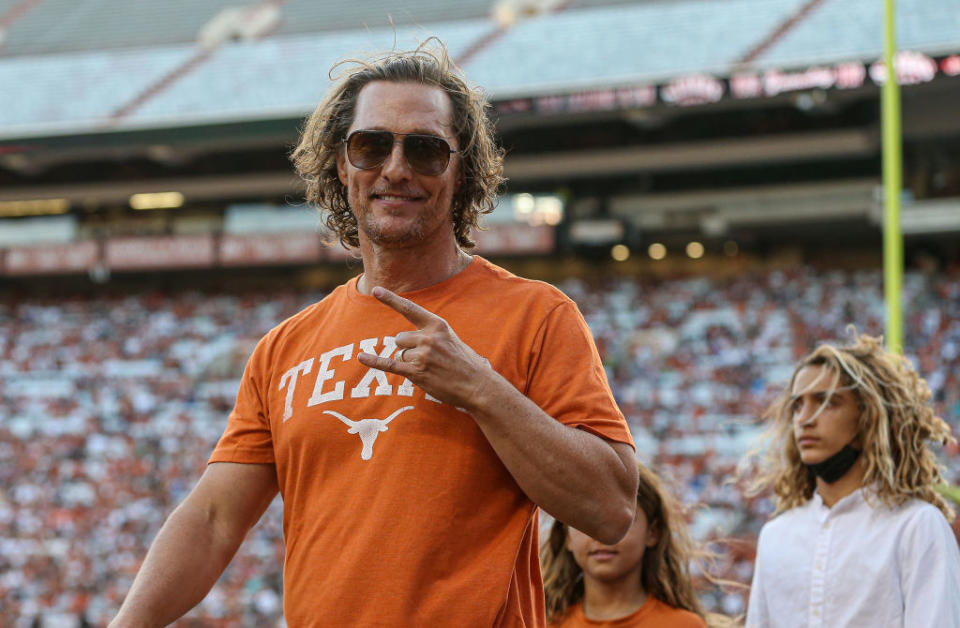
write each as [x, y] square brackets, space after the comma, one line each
[653, 614]
[397, 511]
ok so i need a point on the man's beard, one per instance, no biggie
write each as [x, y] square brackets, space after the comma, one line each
[414, 229]
[373, 229]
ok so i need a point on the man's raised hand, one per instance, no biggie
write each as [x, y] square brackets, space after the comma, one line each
[433, 357]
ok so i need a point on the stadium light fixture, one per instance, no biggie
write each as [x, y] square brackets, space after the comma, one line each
[34, 207]
[694, 250]
[156, 200]
[620, 252]
[523, 205]
[657, 251]
[537, 210]
[550, 209]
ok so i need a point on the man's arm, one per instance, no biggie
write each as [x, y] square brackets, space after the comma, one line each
[579, 478]
[197, 542]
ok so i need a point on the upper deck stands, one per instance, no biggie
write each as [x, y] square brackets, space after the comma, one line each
[143, 67]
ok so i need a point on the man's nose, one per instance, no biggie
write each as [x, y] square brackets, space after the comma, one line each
[396, 166]
[806, 415]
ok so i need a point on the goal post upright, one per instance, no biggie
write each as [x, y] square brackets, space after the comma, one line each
[892, 186]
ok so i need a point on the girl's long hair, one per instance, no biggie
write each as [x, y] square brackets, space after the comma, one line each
[896, 424]
[665, 572]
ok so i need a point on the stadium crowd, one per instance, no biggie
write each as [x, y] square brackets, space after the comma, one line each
[109, 408]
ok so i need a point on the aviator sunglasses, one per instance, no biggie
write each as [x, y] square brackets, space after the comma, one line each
[428, 155]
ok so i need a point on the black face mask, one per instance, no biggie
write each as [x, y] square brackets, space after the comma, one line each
[836, 466]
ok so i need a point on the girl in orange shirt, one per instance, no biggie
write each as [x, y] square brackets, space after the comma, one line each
[641, 582]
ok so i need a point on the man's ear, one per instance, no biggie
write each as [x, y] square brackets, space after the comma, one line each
[342, 165]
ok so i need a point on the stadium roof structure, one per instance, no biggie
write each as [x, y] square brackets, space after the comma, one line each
[69, 66]
[648, 119]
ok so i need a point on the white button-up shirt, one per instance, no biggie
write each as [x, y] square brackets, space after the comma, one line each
[859, 564]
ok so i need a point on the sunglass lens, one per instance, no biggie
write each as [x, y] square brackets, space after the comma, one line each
[369, 149]
[427, 155]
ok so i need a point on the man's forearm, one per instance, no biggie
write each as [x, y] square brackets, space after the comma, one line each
[183, 563]
[197, 541]
[575, 476]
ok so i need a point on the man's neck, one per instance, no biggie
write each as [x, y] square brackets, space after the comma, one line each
[613, 600]
[833, 492]
[407, 269]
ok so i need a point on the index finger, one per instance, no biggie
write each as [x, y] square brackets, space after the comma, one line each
[419, 316]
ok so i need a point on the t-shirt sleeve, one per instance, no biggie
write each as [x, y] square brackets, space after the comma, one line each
[248, 438]
[567, 379]
[930, 578]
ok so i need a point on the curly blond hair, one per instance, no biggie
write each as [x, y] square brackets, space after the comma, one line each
[480, 163]
[895, 425]
[665, 572]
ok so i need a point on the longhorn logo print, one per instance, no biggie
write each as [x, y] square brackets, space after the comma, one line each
[368, 429]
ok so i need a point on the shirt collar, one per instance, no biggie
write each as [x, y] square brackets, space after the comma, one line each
[845, 504]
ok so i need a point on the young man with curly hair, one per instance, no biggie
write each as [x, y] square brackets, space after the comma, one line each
[415, 418]
[862, 538]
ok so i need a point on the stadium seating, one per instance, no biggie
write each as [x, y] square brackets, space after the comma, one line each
[283, 75]
[853, 29]
[653, 41]
[592, 44]
[305, 16]
[111, 406]
[79, 89]
[56, 26]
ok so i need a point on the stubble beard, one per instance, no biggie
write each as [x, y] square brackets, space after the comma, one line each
[374, 229]
[375, 232]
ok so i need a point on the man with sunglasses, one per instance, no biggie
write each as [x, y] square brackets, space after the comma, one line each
[415, 418]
